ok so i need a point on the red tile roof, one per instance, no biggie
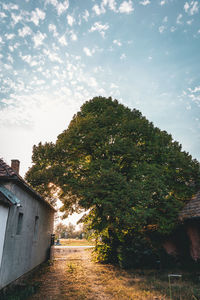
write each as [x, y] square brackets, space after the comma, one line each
[5, 170]
[7, 173]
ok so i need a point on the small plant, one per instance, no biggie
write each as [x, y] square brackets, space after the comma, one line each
[71, 268]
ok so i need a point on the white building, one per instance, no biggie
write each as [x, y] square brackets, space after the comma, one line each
[26, 225]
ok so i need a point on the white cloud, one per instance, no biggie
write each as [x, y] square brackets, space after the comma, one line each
[10, 6]
[70, 20]
[189, 22]
[38, 39]
[191, 8]
[16, 45]
[165, 20]
[62, 7]
[7, 67]
[73, 36]
[98, 69]
[98, 10]
[59, 6]
[11, 48]
[100, 28]
[172, 29]
[3, 15]
[163, 2]
[16, 18]
[195, 90]
[145, 2]
[9, 36]
[194, 7]
[86, 15]
[52, 2]
[92, 82]
[123, 56]
[52, 28]
[62, 40]
[53, 56]
[10, 59]
[88, 52]
[188, 107]
[37, 15]
[113, 86]
[161, 29]
[179, 18]
[29, 60]
[117, 42]
[24, 31]
[126, 7]
[186, 7]
[66, 91]
[35, 125]
[111, 4]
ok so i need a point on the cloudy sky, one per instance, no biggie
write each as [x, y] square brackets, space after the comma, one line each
[56, 54]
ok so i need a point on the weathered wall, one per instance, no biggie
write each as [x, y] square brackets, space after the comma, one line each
[3, 222]
[170, 247]
[22, 252]
[185, 241]
[194, 236]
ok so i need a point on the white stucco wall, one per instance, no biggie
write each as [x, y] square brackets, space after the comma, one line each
[25, 250]
[3, 222]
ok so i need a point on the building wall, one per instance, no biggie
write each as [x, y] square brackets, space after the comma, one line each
[3, 220]
[25, 249]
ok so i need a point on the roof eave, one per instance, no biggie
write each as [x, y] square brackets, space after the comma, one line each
[20, 181]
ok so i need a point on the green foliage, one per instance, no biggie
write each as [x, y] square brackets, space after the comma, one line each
[131, 175]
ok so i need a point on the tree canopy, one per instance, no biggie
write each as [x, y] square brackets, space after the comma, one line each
[131, 175]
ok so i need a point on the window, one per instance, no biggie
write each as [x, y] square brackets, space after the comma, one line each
[36, 226]
[19, 223]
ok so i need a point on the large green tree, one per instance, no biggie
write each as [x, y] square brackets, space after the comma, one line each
[131, 175]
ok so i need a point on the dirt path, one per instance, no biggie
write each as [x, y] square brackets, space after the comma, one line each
[73, 275]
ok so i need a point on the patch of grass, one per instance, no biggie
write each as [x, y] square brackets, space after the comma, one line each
[27, 286]
[20, 292]
[75, 242]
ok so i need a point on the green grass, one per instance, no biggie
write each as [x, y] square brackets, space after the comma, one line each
[27, 286]
[74, 242]
[20, 292]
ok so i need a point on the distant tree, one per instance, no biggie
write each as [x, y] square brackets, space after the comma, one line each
[60, 230]
[71, 231]
[131, 175]
[66, 231]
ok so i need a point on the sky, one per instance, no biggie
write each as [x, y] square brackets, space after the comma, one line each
[57, 54]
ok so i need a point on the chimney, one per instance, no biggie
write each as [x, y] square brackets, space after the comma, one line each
[15, 165]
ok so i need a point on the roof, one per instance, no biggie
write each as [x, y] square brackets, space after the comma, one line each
[5, 170]
[8, 174]
[9, 195]
[4, 200]
[191, 209]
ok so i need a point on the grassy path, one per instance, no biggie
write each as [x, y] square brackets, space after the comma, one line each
[76, 276]
[73, 275]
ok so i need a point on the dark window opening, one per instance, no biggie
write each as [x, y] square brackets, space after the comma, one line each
[19, 223]
[36, 226]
